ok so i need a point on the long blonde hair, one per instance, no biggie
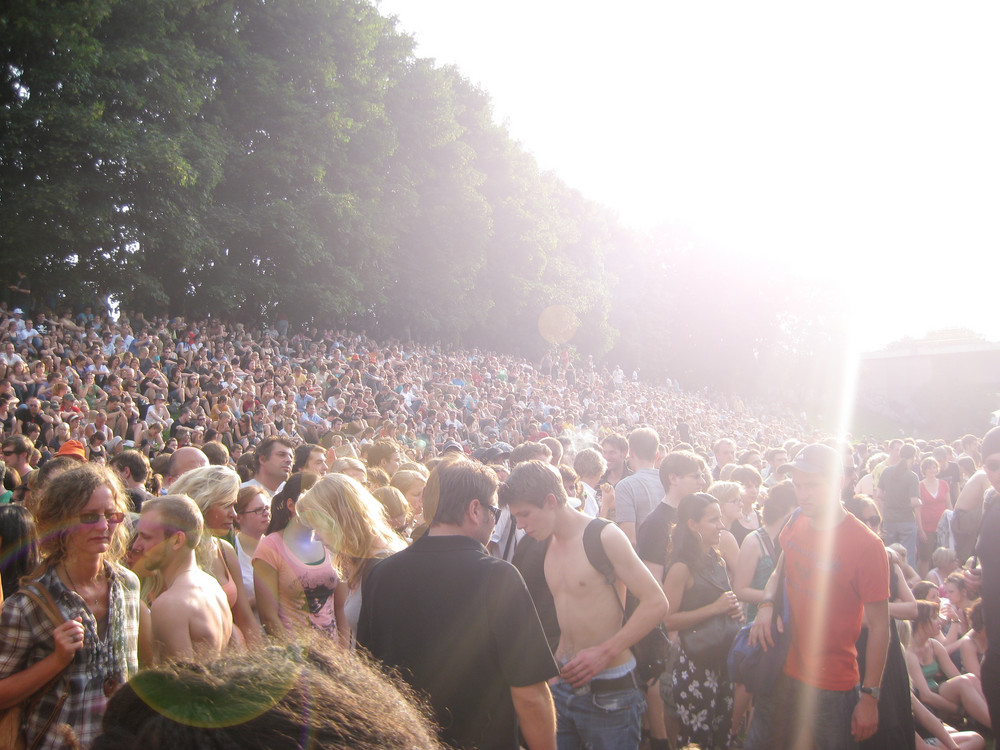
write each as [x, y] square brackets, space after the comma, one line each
[207, 486]
[351, 523]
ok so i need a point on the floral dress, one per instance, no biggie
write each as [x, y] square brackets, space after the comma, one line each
[703, 694]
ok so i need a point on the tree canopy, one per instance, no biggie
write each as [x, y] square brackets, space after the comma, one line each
[242, 157]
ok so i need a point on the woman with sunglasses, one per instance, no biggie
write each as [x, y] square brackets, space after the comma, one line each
[82, 661]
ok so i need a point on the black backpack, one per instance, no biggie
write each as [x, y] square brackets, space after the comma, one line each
[652, 651]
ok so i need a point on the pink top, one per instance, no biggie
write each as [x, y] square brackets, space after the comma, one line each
[932, 507]
[305, 590]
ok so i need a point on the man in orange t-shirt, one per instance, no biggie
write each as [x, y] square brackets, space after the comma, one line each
[836, 577]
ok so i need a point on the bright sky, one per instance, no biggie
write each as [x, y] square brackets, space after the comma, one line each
[858, 142]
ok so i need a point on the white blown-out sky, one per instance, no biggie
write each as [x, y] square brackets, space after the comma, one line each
[858, 142]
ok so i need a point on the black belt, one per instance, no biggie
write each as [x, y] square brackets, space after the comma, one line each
[625, 682]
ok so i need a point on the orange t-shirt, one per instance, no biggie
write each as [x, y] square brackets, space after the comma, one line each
[830, 575]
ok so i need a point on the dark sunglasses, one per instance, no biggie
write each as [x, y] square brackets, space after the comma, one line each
[495, 510]
[112, 517]
[9, 453]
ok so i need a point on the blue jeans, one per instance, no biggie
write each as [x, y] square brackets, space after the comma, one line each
[904, 532]
[793, 708]
[598, 721]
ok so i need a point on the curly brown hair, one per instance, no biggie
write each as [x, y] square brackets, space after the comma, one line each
[61, 502]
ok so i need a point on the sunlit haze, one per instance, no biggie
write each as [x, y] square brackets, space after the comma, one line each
[851, 142]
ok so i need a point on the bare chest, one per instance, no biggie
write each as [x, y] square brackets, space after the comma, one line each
[570, 575]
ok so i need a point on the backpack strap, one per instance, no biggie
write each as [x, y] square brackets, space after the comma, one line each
[596, 554]
[765, 542]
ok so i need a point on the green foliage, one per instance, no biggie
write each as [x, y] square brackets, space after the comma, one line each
[241, 156]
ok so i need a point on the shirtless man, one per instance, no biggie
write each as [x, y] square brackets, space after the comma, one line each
[599, 701]
[192, 616]
[968, 514]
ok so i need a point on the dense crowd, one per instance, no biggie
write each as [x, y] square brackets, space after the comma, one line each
[178, 492]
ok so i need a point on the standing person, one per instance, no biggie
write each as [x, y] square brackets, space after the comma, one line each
[935, 499]
[214, 489]
[638, 494]
[836, 576]
[599, 698]
[253, 514]
[446, 601]
[274, 459]
[351, 522]
[295, 582]
[590, 465]
[759, 552]
[190, 617]
[80, 518]
[697, 581]
[724, 451]
[898, 495]
[989, 558]
[682, 473]
[615, 450]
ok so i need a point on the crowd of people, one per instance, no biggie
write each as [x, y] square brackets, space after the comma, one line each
[492, 546]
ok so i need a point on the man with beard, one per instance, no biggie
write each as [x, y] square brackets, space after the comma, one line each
[191, 617]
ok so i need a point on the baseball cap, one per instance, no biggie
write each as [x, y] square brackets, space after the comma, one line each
[73, 449]
[452, 445]
[816, 459]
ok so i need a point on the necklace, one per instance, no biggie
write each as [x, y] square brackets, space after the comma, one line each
[97, 599]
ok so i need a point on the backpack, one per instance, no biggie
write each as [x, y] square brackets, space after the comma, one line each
[652, 651]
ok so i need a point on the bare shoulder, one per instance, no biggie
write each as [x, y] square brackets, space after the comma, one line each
[614, 540]
[171, 605]
[226, 547]
[678, 571]
[228, 552]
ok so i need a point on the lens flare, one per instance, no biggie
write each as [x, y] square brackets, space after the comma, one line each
[558, 324]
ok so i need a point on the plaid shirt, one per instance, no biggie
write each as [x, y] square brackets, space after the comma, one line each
[26, 638]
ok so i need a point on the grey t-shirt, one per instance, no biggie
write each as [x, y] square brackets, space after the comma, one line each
[637, 495]
[900, 485]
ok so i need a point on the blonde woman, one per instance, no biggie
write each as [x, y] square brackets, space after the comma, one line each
[295, 582]
[214, 490]
[80, 517]
[729, 495]
[353, 525]
[411, 484]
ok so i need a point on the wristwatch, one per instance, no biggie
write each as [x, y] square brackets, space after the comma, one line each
[872, 691]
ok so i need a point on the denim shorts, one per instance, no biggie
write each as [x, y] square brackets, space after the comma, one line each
[598, 721]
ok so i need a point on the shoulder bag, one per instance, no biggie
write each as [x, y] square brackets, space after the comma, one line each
[708, 642]
[12, 719]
